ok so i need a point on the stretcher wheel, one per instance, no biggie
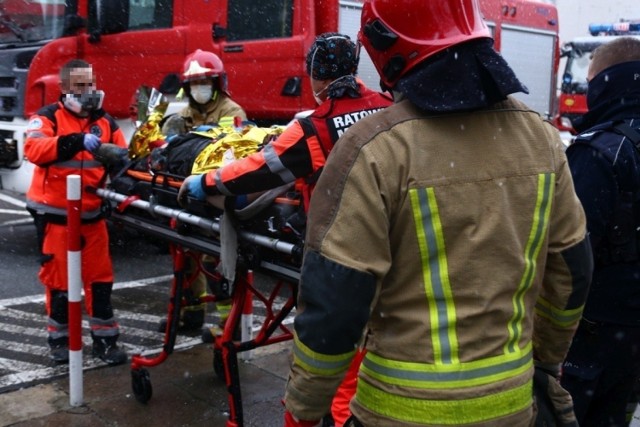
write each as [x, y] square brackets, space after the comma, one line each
[218, 364]
[141, 385]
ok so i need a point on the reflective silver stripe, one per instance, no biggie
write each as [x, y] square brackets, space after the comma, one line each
[436, 275]
[328, 367]
[538, 233]
[557, 316]
[275, 165]
[48, 209]
[57, 330]
[104, 327]
[220, 185]
[318, 363]
[438, 376]
[78, 164]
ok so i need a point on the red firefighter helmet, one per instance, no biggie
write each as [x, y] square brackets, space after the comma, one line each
[398, 36]
[201, 64]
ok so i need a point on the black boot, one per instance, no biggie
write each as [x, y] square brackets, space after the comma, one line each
[107, 350]
[327, 421]
[193, 317]
[192, 320]
[210, 333]
[59, 349]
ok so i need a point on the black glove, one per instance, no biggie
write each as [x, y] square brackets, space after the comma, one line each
[554, 403]
[69, 145]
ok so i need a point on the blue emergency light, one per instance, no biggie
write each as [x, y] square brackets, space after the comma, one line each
[616, 28]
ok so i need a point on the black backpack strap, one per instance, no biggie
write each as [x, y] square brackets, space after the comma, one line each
[310, 130]
[622, 242]
[629, 132]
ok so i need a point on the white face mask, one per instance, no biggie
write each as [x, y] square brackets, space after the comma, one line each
[201, 93]
[72, 103]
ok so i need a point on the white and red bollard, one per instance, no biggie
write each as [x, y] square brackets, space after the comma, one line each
[246, 319]
[74, 274]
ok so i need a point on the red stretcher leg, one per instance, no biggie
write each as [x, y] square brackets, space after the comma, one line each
[227, 349]
[140, 379]
[230, 352]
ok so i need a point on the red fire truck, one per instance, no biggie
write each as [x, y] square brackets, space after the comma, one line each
[262, 44]
[573, 91]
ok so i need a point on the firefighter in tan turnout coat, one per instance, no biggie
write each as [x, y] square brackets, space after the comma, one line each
[444, 236]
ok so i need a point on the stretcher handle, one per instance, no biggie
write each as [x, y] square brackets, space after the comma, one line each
[203, 223]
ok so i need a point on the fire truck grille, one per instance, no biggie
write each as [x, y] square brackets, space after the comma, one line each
[8, 82]
[8, 148]
[7, 103]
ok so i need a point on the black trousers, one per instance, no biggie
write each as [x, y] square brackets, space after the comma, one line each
[600, 372]
[101, 304]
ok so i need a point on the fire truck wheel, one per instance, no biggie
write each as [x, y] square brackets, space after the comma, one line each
[141, 385]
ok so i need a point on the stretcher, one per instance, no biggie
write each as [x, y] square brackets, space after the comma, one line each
[266, 243]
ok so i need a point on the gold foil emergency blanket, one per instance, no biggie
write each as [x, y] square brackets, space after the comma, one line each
[151, 109]
[229, 144]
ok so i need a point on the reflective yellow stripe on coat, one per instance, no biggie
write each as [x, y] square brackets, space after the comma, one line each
[537, 235]
[445, 412]
[447, 372]
[562, 318]
[442, 311]
[318, 363]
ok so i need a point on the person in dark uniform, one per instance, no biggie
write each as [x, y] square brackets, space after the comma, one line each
[603, 364]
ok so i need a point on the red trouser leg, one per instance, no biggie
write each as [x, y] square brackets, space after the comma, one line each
[340, 405]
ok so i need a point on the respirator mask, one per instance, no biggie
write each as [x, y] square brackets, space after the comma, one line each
[85, 102]
[201, 93]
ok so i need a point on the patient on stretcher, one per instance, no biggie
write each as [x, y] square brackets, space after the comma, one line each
[158, 161]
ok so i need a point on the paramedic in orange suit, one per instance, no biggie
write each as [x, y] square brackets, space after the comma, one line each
[61, 139]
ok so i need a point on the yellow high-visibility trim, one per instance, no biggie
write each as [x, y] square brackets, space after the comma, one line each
[223, 309]
[537, 236]
[435, 270]
[318, 363]
[445, 412]
[195, 307]
[430, 376]
[558, 316]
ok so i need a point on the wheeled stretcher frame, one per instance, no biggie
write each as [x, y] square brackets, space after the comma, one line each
[184, 230]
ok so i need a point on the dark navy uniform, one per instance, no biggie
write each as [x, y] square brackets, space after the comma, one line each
[604, 360]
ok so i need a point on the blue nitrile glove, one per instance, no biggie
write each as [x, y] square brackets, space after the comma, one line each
[203, 128]
[191, 187]
[91, 142]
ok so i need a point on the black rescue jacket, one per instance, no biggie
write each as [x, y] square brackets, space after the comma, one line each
[605, 164]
